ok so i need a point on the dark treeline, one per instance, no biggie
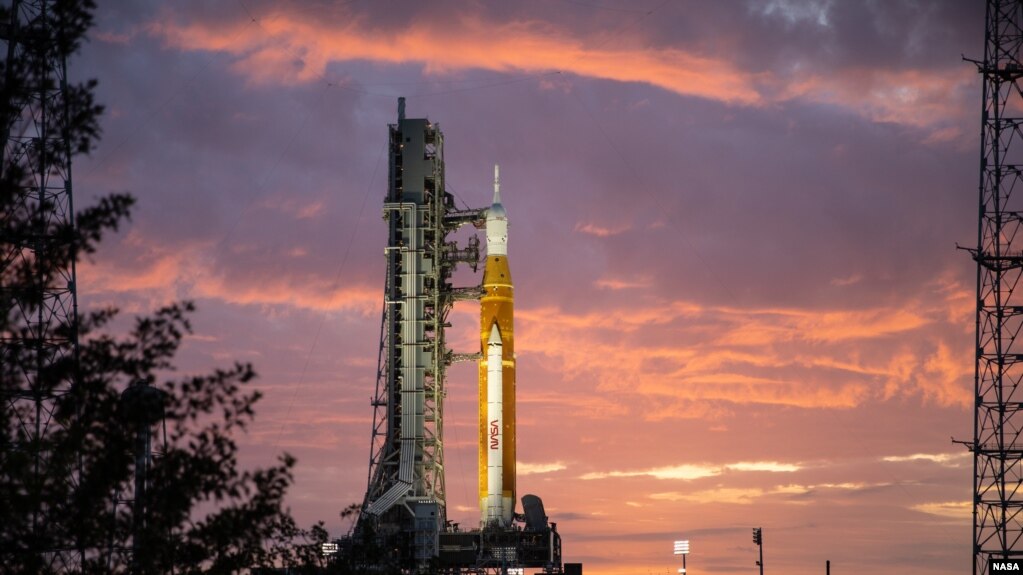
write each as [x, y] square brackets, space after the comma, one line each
[67, 437]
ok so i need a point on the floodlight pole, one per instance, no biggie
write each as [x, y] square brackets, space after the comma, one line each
[761, 562]
[682, 548]
[758, 538]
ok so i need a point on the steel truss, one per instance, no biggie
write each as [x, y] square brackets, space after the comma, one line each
[998, 416]
[39, 344]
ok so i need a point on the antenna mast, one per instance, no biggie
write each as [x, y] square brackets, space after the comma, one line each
[998, 416]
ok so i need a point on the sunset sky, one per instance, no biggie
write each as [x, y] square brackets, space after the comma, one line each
[733, 231]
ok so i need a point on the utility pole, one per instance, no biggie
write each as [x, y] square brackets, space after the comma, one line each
[758, 538]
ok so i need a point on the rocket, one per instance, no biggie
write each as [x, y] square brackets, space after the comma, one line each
[497, 374]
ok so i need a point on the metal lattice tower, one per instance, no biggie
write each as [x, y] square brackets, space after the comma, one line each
[998, 417]
[37, 262]
[406, 494]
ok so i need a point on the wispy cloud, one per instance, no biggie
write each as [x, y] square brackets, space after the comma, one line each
[299, 210]
[947, 459]
[847, 281]
[600, 231]
[522, 468]
[685, 472]
[616, 284]
[772, 466]
[690, 472]
[954, 509]
[915, 97]
[748, 495]
[717, 495]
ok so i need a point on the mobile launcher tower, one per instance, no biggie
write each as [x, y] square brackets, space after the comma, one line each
[402, 524]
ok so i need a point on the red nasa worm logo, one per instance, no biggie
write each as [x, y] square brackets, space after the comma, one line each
[494, 430]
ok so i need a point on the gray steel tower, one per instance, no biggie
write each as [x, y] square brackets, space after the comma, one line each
[405, 499]
[998, 416]
[39, 343]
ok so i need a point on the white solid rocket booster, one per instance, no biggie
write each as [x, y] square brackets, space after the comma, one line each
[495, 419]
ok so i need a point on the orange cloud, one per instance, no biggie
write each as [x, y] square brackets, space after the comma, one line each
[680, 360]
[615, 284]
[820, 326]
[954, 509]
[598, 230]
[914, 97]
[186, 271]
[944, 372]
[292, 47]
[298, 210]
[595, 407]
[286, 47]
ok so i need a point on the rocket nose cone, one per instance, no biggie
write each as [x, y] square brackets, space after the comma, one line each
[495, 335]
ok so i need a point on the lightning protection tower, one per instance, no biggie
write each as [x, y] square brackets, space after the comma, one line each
[998, 416]
[39, 339]
[405, 504]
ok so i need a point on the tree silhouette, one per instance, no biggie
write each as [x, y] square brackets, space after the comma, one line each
[202, 513]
